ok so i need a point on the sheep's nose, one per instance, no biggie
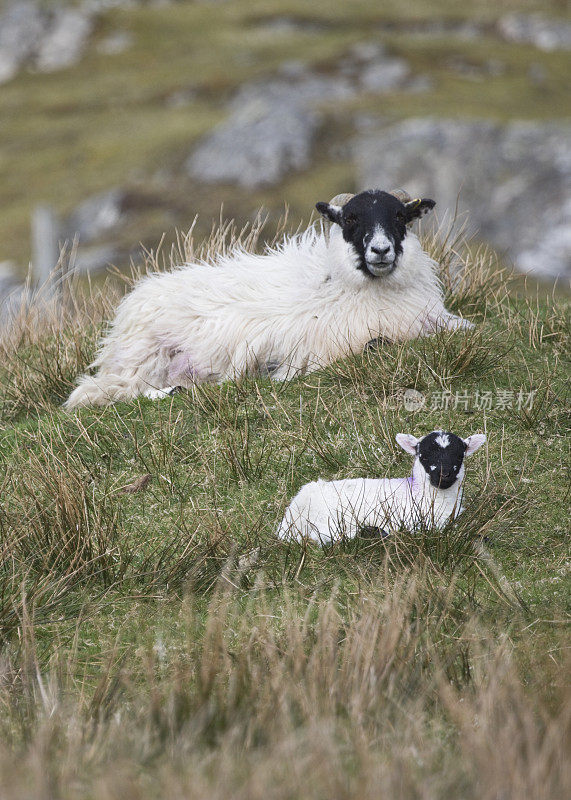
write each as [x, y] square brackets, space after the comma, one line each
[380, 251]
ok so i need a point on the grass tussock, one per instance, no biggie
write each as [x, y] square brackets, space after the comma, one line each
[157, 640]
[47, 343]
[395, 696]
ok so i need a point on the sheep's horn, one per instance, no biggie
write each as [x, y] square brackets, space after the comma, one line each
[338, 200]
[401, 195]
[342, 199]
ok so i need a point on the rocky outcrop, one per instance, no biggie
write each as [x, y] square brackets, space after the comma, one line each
[543, 33]
[272, 125]
[43, 38]
[11, 290]
[270, 131]
[96, 216]
[513, 180]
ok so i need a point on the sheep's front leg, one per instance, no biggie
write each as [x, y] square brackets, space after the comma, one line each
[287, 370]
[454, 323]
[376, 344]
[160, 394]
[373, 532]
[444, 321]
[181, 373]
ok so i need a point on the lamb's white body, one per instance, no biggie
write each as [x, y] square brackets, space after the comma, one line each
[327, 511]
[294, 309]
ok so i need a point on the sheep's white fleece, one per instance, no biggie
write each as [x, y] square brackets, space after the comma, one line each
[297, 307]
[326, 511]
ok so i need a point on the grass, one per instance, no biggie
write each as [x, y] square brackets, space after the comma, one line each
[157, 640]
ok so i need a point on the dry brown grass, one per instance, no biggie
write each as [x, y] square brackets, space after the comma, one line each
[161, 643]
[290, 697]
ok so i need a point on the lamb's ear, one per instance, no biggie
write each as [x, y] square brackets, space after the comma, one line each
[474, 442]
[331, 212]
[408, 442]
[418, 208]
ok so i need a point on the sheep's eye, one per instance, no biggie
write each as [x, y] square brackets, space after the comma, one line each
[350, 219]
[400, 216]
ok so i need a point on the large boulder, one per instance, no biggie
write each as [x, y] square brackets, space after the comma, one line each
[270, 130]
[512, 180]
[41, 37]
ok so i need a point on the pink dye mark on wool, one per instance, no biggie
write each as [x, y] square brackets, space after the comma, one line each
[181, 368]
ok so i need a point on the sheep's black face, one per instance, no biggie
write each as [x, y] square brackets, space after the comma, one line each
[374, 224]
[441, 453]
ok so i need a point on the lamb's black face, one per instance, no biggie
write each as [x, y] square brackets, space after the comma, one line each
[374, 224]
[441, 453]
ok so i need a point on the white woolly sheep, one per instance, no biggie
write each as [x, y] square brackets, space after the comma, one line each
[299, 306]
[327, 511]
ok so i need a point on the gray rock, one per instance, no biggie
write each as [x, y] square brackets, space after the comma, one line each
[272, 125]
[64, 41]
[367, 51]
[41, 37]
[22, 26]
[96, 216]
[8, 278]
[514, 180]
[293, 69]
[95, 259]
[9, 64]
[546, 34]
[12, 292]
[117, 42]
[384, 75]
[270, 131]
[98, 6]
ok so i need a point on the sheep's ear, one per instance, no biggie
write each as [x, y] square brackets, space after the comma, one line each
[408, 442]
[418, 208]
[474, 442]
[331, 212]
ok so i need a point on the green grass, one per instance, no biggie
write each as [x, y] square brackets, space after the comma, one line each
[162, 642]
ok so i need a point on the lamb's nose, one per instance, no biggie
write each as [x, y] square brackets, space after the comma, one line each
[380, 251]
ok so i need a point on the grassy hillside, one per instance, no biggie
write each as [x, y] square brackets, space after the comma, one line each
[113, 120]
[157, 641]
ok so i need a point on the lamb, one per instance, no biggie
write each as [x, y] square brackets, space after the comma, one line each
[317, 296]
[327, 511]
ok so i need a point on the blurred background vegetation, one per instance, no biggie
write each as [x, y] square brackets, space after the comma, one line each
[130, 118]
